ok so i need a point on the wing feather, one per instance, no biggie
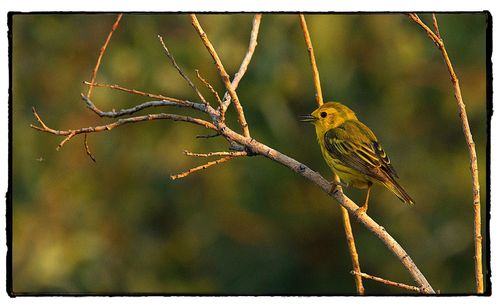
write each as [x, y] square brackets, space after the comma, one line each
[355, 145]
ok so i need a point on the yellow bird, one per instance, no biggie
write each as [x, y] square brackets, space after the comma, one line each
[352, 151]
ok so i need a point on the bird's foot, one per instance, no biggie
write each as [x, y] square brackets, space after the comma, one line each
[333, 186]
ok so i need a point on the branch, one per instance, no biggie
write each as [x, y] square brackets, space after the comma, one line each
[216, 95]
[222, 153]
[101, 53]
[246, 60]
[87, 149]
[345, 215]
[174, 63]
[470, 145]
[387, 282]
[223, 74]
[351, 244]
[141, 93]
[150, 117]
[310, 51]
[204, 166]
[268, 152]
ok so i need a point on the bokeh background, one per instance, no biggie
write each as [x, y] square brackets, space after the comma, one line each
[250, 226]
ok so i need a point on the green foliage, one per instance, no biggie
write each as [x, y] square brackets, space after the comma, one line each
[249, 226]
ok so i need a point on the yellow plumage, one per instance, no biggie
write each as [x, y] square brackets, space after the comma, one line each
[352, 150]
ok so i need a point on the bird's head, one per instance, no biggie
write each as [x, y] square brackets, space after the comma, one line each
[329, 115]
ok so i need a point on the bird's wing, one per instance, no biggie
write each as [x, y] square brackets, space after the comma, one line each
[355, 145]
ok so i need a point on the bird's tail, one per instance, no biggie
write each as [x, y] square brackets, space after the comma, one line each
[399, 191]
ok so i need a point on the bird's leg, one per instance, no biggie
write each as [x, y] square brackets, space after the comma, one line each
[364, 208]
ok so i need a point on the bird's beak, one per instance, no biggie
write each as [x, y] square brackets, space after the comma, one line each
[307, 118]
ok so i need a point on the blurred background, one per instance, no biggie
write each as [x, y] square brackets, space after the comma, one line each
[249, 226]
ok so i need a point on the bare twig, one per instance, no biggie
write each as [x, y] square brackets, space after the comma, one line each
[219, 154]
[150, 117]
[310, 50]
[208, 136]
[141, 93]
[87, 149]
[207, 84]
[204, 166]
[246, 60]
[127, 111]
[352, 251]
[101, 53]
[223, 74]
[174, 63]
[436, 27]
[471, 147]
[345, 215]
[387, 282]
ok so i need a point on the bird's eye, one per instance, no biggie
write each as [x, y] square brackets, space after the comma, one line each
[323, 114]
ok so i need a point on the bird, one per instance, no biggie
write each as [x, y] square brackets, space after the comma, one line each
[353, 152]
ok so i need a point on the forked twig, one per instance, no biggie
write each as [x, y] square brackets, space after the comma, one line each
[478, 257]
[387, 282]
[150, 117]
[246, 60]
[223, 74]
[101, 53]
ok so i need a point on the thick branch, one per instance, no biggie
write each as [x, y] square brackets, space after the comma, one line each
[223, 74]
[478, 257]
[261, 149]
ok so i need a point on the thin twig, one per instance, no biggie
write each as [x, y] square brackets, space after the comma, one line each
[345, 215]
[352, 251]
[127, 111]
[207, 84]
[204, 166]
[150, 117]
[387, 282]
[141, 93]
[87, 149]
[223, 74]
[174, 63]
[101, 53]
[219, 154]
[472, 153]
[310, 51]
[208, 136]
[246, 60]
[436, 27]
